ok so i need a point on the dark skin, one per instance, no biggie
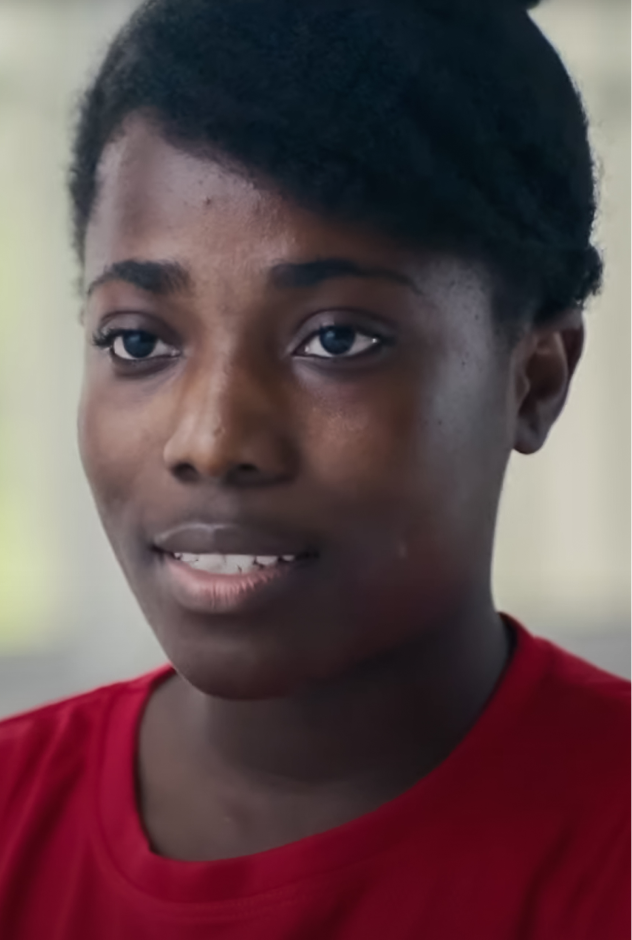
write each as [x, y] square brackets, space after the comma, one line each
[336, 693]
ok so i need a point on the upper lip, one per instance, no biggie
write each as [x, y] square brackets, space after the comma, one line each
[206, 538]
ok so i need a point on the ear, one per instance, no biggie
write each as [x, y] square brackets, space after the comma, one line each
[544, 361]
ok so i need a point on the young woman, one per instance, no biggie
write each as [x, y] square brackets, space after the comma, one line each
[335, 257]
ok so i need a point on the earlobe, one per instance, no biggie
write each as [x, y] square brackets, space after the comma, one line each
[545, 361]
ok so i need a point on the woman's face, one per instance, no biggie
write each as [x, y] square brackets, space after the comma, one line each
[271, 383]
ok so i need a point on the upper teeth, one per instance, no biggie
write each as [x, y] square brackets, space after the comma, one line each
[231, 564]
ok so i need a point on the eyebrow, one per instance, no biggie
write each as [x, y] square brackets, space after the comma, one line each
[163, 278]
[312, 273]
[158, 277]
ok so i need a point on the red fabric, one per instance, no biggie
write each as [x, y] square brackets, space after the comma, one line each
[522, 833]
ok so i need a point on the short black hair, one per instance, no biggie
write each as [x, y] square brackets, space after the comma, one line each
[443, 123]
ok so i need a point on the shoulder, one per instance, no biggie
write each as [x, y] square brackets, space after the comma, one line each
[576, 690]
[578, 720]
[51, 744]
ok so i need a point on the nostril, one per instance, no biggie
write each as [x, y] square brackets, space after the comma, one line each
[245, 473]
[185, 472]
[235, 474]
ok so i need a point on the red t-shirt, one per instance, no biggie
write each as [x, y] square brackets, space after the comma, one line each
[521, 833]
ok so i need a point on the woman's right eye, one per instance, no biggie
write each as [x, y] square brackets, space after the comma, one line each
[134, 345]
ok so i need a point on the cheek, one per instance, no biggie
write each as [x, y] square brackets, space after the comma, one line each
[115, 442]
[399, 436]
[423, 449]
[359, 434]
[353, 448]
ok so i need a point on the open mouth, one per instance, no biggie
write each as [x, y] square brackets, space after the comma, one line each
[206, 566]
[221, 564]
[217, 583]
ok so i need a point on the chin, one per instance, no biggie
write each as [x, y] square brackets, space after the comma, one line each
[235, 671]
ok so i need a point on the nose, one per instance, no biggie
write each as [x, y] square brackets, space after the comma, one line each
[231, 427]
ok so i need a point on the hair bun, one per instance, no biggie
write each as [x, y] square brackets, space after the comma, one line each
[516, 4]
[471, 6]
[525, 5]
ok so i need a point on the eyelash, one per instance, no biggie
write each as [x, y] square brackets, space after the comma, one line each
[105, 338]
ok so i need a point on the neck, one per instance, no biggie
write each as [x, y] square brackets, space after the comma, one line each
[383, 725]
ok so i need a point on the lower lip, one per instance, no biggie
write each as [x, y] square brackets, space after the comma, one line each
[204, 592]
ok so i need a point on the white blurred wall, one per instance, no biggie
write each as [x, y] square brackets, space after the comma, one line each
[67, 619]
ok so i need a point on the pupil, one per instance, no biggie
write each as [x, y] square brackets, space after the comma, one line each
[139, 344]
[337, 340]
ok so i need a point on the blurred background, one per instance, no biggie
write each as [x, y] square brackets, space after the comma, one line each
[67, 619]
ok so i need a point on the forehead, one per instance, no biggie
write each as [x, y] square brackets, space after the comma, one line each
[159, 202]
[155, 197]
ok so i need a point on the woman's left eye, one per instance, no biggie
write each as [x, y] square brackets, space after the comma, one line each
[338, 342]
